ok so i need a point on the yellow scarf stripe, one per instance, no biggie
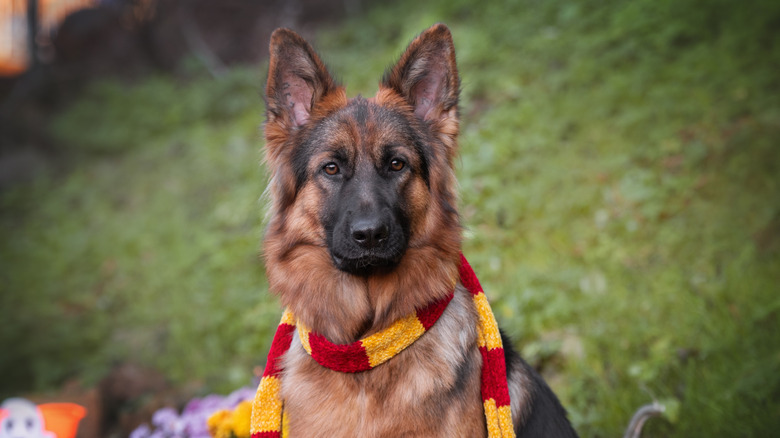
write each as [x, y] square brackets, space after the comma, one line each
[285, 425]
[505, 419]
[303, 333]
[267, 406]
[383, 345]
[499, 420]
[489, 336]
[287, 317]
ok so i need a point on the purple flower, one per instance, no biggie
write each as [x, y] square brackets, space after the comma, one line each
[165, 418]
[192, 406]
[193, 421]
[142, 431]
[196, 425]
[211, 403]
[238, 396]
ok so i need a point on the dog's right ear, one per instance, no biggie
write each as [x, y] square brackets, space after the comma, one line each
[297, 80]
[298, 86]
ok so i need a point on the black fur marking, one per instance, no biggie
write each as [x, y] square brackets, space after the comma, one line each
[464, 370]
[423, 152]
[361, 113]
[300, 163]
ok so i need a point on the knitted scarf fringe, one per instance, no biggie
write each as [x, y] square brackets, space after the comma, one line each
[268, 416]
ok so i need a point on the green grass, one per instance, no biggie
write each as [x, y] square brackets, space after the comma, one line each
[619, 176]
[147, 250]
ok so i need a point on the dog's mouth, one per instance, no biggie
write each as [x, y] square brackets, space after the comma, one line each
[365, 264]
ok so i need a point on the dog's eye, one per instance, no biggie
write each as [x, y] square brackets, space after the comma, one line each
[397, 165]
[331, 168]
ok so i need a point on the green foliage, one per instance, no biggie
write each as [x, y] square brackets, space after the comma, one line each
[619, 175]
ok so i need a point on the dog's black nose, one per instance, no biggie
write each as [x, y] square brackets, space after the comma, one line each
[370, 233]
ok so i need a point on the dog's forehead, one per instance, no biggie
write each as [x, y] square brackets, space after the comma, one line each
[365, 128]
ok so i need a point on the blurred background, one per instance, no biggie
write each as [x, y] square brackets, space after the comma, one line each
[619, 171]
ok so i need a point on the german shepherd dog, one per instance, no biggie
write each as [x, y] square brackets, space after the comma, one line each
[363, 229]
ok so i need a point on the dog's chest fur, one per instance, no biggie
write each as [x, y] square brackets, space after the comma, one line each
[434, 385]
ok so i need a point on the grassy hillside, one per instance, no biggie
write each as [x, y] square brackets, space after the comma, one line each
[619, 177]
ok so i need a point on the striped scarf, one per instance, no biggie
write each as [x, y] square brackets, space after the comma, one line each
[268, 418]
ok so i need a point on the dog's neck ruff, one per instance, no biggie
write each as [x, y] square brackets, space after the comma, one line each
[268, 416]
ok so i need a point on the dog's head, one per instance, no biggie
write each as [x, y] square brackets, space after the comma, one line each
[364, 179]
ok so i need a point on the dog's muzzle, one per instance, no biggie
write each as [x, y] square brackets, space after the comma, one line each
[362, 243]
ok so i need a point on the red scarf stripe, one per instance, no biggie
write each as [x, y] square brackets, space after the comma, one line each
[494, 367]
[430, 314]
[274, 434]
[467, 276]
[350, 358]
[279, 346]
[494, 376]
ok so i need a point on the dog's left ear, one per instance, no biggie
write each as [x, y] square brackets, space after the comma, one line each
[427, 77]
